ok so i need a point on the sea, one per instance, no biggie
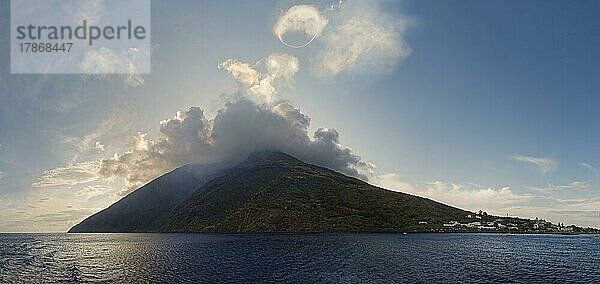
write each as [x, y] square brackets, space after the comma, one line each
[299, 258]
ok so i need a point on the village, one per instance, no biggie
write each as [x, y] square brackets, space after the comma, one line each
[483, 222]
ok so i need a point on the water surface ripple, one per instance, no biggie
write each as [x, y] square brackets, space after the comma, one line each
[322, 258]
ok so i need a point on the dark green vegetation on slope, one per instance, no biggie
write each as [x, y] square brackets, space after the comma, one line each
[148, 208]
[268, 192]
[273, 192]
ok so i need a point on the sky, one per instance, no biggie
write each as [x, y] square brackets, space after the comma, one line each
[487, 105]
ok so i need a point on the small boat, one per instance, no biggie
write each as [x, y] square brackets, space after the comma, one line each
[405, 233]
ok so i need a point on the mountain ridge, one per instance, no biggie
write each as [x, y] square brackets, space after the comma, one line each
[271, 191]
[146, 208]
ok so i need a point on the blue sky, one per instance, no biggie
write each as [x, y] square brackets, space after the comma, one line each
[494, 108]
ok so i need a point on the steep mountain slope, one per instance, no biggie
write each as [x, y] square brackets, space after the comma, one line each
[274, 192]
[147, 208]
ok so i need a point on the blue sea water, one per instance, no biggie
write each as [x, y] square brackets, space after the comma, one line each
[311, 258]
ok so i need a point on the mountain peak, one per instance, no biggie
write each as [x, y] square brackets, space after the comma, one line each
[271, 155]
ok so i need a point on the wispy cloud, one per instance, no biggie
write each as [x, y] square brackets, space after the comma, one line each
[71, 175]
[117, 123]
[104, 61]
[583, 212]
[581, 185]
[499, 201]
[578, 185]
[91, 191]
[464, 195]
[545, 165]
[361, 38]
[591, 168]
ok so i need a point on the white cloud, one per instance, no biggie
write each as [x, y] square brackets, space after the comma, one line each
[306, 19]
[467, 196]
[113, 127]
[582, 212]
[137, 166]
[242, 72]
[355, 36]
[361, 38]
[55, 209]
[500, 201]
[240, 128]
[393, 181]
[102, 61]
[261, 79]
[99, 146]
[544, 165]
[67, 176]
[91, 191]
[581, 185]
